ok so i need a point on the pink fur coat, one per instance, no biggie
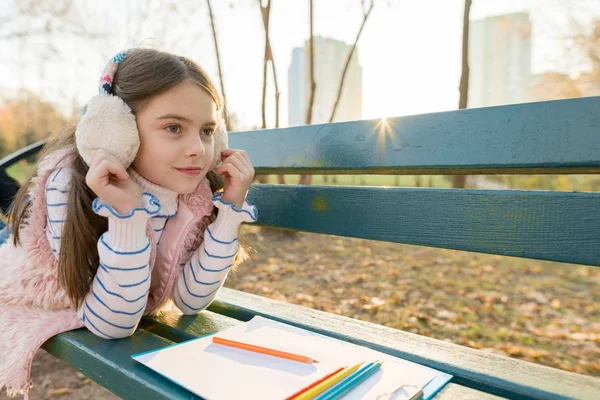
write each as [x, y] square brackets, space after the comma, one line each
[34, 307]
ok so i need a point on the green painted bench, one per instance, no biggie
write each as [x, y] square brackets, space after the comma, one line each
[560, 137]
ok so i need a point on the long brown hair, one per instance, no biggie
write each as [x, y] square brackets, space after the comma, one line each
[143, 74]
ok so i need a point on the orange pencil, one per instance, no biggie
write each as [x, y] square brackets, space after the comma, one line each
[299, 392]
[263, 350]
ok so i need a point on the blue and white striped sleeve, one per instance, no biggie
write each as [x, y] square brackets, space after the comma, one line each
[57, 195]
[201, 278]
[117, 298]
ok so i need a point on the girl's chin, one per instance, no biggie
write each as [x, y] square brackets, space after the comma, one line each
[185, 187]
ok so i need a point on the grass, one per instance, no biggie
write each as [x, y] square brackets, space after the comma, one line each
[21, 171]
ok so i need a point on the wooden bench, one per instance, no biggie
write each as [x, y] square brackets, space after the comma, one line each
[560, 137]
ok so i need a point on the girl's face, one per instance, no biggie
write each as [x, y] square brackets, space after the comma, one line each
[176, 137]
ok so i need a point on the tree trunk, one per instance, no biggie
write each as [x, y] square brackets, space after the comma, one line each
[218, 55]
[307, 179]
[459, 181]
[341, 87]
[265, 11]
[266, 14]
[277, 93]
[313, 84]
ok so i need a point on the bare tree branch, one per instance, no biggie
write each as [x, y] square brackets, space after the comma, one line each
[268, 57]
[464, 77]
[277, 92]
[216, 42]
[265, 12]
[313, 85]
[341, 87]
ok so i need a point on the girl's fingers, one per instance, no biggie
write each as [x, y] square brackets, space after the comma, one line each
[105, 168]
[230, 169]
[228, 152]
[238, 162]
[115, 169]
[245, 159]
[101, 155]
[244, 165]
[245, 155]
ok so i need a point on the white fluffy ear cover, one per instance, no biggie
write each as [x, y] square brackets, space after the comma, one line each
[108, 124]
[220, 141]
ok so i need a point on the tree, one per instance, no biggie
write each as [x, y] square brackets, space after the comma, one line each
[218, 56]
[29, 137]
[27, 119]
[347, 64]
[268, 57]
[3, 147]
[459, 181]
[265, 12]
[554, 85]
[307, 179]
[36, 31]
[311, 57]
[343, 77]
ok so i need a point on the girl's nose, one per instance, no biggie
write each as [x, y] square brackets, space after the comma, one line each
[195, 147]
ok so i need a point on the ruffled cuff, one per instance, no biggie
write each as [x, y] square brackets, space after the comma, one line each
[230, 217]
[128, 230]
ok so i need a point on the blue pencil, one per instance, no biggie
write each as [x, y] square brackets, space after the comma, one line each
[350, 382]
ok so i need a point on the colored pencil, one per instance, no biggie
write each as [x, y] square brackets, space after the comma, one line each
[263, 350]
[351, 382]
[326, 384]
[299, 392]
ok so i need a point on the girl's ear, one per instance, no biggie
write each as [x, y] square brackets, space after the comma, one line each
[108, 124]
[220, 141]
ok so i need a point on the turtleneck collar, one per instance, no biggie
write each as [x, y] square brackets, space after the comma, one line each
[168, 198]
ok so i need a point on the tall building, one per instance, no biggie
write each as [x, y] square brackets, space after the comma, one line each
[499, 60]
[330, 58]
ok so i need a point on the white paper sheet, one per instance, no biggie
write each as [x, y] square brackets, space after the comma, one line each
[218, 372]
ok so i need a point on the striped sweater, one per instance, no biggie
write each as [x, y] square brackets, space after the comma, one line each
[119, 291]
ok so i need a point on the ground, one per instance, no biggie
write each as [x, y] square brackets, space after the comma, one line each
[542, 312]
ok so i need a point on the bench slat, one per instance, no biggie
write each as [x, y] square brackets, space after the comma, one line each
[178, 328]
[109, 363]
[491, 373]
[13, 158]
[555, 226]
[208, 322]
[546, 137]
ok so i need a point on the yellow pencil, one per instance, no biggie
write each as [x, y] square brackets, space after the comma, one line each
[321, 387]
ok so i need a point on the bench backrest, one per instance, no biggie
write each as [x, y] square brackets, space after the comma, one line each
[557, 137]
[8, 185]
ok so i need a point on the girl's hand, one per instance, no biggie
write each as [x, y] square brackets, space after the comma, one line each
[111, 183]
[239, 173]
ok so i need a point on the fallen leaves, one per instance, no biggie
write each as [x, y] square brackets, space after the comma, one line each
[58, 392]
[374, 303]
[543, 312]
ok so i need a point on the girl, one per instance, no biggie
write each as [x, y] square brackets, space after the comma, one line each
[123, 213]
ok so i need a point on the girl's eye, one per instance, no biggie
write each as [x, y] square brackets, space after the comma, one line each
[174, 128]
[207, 132]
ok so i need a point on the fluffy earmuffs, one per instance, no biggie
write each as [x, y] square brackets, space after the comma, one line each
[107, 123]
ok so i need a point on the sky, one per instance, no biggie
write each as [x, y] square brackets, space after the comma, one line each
[409, 50]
